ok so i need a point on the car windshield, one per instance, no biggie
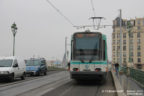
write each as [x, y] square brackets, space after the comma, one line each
[32, 63]
[5, 63]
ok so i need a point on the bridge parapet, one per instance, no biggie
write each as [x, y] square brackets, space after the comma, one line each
[136, 74]
[130, 80]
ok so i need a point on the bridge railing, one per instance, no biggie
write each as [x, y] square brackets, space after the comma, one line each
[136, 74]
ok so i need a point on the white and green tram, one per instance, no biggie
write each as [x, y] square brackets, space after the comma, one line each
[88, 56]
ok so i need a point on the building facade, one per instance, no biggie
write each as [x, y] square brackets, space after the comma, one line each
[132, 42]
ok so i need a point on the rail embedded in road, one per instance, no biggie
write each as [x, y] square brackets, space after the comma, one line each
[85, 88]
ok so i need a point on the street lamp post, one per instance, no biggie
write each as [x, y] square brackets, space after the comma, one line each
[14, 31]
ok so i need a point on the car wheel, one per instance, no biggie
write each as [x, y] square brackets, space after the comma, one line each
[38, 74]
[23, 76]
[12, 78]
[45, 73]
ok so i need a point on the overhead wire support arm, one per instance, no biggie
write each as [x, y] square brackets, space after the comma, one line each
[98, 25]
[85, 26]
[66, 18]
[94, 18]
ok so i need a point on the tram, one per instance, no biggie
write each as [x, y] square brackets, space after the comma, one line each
[89, 58]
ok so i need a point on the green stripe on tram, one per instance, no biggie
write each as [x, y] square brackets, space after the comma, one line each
[74, 62]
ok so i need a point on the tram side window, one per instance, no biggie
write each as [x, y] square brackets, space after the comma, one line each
[104, 55]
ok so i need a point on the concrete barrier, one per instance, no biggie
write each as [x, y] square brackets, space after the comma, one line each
[119, 88]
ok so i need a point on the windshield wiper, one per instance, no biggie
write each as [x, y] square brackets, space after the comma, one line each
[82, 61]
[90, 61]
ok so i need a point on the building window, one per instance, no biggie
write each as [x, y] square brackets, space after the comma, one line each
[124, 35]
[138, 27]
[118, 41]
[131, 35]
[138, 22]
[118, 60]
[113, 41]
[124, 54]
[124, 60]
[139, 59]
[138, 54]
[118, 35]
[118, 54]
[124, 48]
[124, 41]
[113, 36]
[113, 59]
[113, 54]
[118, 47]
[131, 41]
[138, 41]
[131, 53]
[138, 34]
[131, 47]
[138, 47]
[113, 48]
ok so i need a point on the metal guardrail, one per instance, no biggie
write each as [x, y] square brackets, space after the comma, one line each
[135, 74]
[124, 69]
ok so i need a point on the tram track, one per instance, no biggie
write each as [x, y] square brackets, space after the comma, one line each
[84, 88]
[46, 87]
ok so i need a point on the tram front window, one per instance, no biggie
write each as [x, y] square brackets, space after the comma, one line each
[86, 48]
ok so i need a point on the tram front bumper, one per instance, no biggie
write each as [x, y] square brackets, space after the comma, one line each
[88, 75]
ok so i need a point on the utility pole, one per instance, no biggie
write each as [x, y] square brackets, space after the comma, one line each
[14, 31]
[120, 38]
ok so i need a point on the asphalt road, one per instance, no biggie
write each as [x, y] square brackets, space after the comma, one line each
[6, 82]
[21, 87]
[85, 88]
[57, 84]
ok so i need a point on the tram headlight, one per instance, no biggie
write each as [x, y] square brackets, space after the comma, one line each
[97, 69]
[75, 69]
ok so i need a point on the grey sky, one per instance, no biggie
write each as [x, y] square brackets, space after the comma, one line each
[42, 31]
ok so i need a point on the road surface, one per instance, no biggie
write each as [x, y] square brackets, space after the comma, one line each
[56, 84]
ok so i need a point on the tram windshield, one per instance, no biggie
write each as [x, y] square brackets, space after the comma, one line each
[87, 43]
[86, 47]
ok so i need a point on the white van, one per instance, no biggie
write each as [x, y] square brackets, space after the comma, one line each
[11, 68]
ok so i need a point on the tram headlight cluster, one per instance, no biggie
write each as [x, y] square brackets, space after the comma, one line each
[75, 69]
[97, 69]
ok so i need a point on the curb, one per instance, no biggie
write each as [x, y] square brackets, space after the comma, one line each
[119, 89]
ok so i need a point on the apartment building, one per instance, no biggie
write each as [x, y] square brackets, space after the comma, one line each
[132, 42]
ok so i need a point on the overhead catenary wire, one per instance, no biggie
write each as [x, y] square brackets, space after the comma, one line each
[93, 9]
[66, 18]
[96, 20]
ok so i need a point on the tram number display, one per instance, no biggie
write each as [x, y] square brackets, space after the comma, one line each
[85, 35]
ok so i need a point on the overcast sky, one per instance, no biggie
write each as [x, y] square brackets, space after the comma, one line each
[42, 30]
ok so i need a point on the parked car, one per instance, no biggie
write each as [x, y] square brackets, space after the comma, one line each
[36, 66]
[11, 68]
